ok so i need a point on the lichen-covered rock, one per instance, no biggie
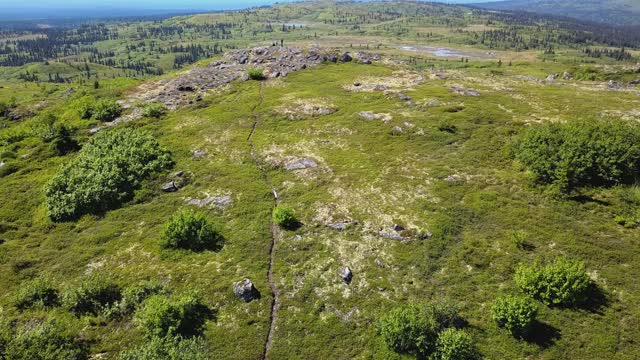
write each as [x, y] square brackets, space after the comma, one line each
[346, 274]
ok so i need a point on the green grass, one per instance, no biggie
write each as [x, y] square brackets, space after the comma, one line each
[366, 173]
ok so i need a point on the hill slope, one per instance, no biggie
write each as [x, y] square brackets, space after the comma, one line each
[615, 12]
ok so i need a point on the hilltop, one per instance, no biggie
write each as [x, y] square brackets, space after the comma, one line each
[613, 12]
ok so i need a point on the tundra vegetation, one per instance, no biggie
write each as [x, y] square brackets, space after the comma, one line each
[361, 192]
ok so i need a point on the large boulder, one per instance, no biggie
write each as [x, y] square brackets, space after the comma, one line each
[346, 274]
[170, 187]
[245, 290]
[345, 57]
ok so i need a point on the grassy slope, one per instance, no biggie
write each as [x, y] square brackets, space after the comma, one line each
[367, 174]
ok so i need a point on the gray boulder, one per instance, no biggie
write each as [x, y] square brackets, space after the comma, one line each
[245, 290]
[170, 187]
[300, 164]
[345, 57]
[346, 274]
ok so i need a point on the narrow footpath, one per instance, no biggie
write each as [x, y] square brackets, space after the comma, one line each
[275, 304]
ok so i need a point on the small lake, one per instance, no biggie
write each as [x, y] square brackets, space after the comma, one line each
[449, 53]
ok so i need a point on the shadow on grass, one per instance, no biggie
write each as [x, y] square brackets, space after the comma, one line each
[542, 334]
[583, 199]
[595, 301]
[293, 225]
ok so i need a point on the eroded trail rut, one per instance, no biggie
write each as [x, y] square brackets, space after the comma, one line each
[275, 304]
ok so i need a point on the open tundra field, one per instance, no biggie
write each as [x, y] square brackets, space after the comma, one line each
[325, 200]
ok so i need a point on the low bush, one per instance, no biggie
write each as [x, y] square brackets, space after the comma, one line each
[160, 316]
[37, 292]
[256, 74]
[104, 174]
[563, 282]
[45, 341]
[154, 110]
[454, 344]
[577, 154]
[284, 217]
[514, 313]
[133, 296]
[190, 230]
[415, 328]
[167, 348]
[91, 296]
[106, 110]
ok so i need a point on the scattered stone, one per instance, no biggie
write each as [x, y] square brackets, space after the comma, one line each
[367, 115]
[298, 238]
[379, 263]
[453, 178]
[357, 84]
[245, 290]
[345, 57]
[403, 97]
[380, 88]
[397, 227]
[397, 130]
[68, 92]
[390, 234]
[567, 76]
[346, 274]
[613, 85]
[219, 201]
[552, 77]
[299, 164]
[198, 154]
[179, 173]
[635, 82]
[170, 187]
[465, 92]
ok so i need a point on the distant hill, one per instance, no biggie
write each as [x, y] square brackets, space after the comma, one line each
[614, 12]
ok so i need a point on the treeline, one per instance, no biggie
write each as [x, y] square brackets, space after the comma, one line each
[617, 54]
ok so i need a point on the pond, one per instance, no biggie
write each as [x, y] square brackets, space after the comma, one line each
[449, 53]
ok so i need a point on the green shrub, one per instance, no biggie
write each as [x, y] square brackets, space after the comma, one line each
[454, 344]
[563, 282]
[167, 348]
[45, 341]
[107, 110]
[37, 292]
[104, 174]
[8, 168]
[284, 217]
[160, 316]
[519, 239]
[85, 108]
[515, 313]
[576, 154]
[154, 110]
[91, 296]
[189, 230]
[415, 328]
[133, 296]
[256, 74]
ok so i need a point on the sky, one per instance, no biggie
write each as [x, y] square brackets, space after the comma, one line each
[36, 9]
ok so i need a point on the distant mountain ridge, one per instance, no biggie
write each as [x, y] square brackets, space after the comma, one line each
[614, 12]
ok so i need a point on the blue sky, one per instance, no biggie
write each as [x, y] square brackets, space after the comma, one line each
[149, 4]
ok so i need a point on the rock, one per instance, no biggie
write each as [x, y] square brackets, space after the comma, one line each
[298, 238]
[338, 226]
[357, 84]
[379, 263]
[465, 92]
[346, 274]
[245, 77]
[198, 154]
[179, 173]
[613, 85]
[332, 58]
[397, 130]
[187, 88]
[552, 77]
[299, 164]
[567, 76]
[68, 92]
[397, 227]
[1, 164]
[219, 201]
[453, 178]
[245, 290]
[170, 187]
[403, 97]
[345, 57]
[368, 115]
[637, 68]
[390, 234]
[635, 82]
[324, 111]
[380, 88]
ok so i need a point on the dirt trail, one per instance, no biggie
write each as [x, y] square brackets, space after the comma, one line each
[275, 294]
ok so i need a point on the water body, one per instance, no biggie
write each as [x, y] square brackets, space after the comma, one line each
[449, 53]
[295, 24]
